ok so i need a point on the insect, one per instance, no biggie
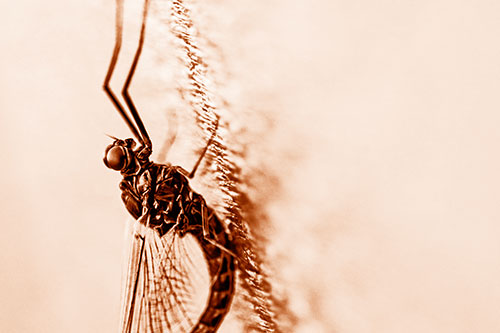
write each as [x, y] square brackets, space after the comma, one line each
[173, 223]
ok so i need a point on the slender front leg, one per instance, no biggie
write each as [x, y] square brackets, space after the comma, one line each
[128, 81]
[111, 68]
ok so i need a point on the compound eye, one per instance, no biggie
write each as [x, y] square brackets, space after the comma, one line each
[116, 158]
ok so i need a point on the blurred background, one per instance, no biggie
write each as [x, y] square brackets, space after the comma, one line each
[378, 120]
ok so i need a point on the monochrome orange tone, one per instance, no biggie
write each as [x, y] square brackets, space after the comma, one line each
[365, 140]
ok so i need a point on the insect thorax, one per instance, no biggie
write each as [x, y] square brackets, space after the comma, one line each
[162, 194]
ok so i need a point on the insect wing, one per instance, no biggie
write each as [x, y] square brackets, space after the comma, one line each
[166, 281]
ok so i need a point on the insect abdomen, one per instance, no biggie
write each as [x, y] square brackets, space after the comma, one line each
[193, 215]
[222, 270]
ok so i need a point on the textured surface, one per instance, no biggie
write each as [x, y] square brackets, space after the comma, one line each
[375, 122]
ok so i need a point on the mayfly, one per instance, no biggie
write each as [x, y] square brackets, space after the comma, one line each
[158, 292]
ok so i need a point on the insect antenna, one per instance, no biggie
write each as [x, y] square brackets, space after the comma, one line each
[111, 68]
[128, 81]
[111, 136]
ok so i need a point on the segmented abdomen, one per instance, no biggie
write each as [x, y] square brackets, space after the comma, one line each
[201, 221]
[222, 269]
[164, 282]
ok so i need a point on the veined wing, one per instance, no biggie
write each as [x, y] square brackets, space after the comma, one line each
[167, 282]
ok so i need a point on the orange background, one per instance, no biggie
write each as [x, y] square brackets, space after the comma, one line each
[384, 140]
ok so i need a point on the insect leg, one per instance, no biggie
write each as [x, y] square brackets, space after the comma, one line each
[171, 136]
[218, 229]
[111, 68]
[214, 131]
[128, 81]
[130, 315]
